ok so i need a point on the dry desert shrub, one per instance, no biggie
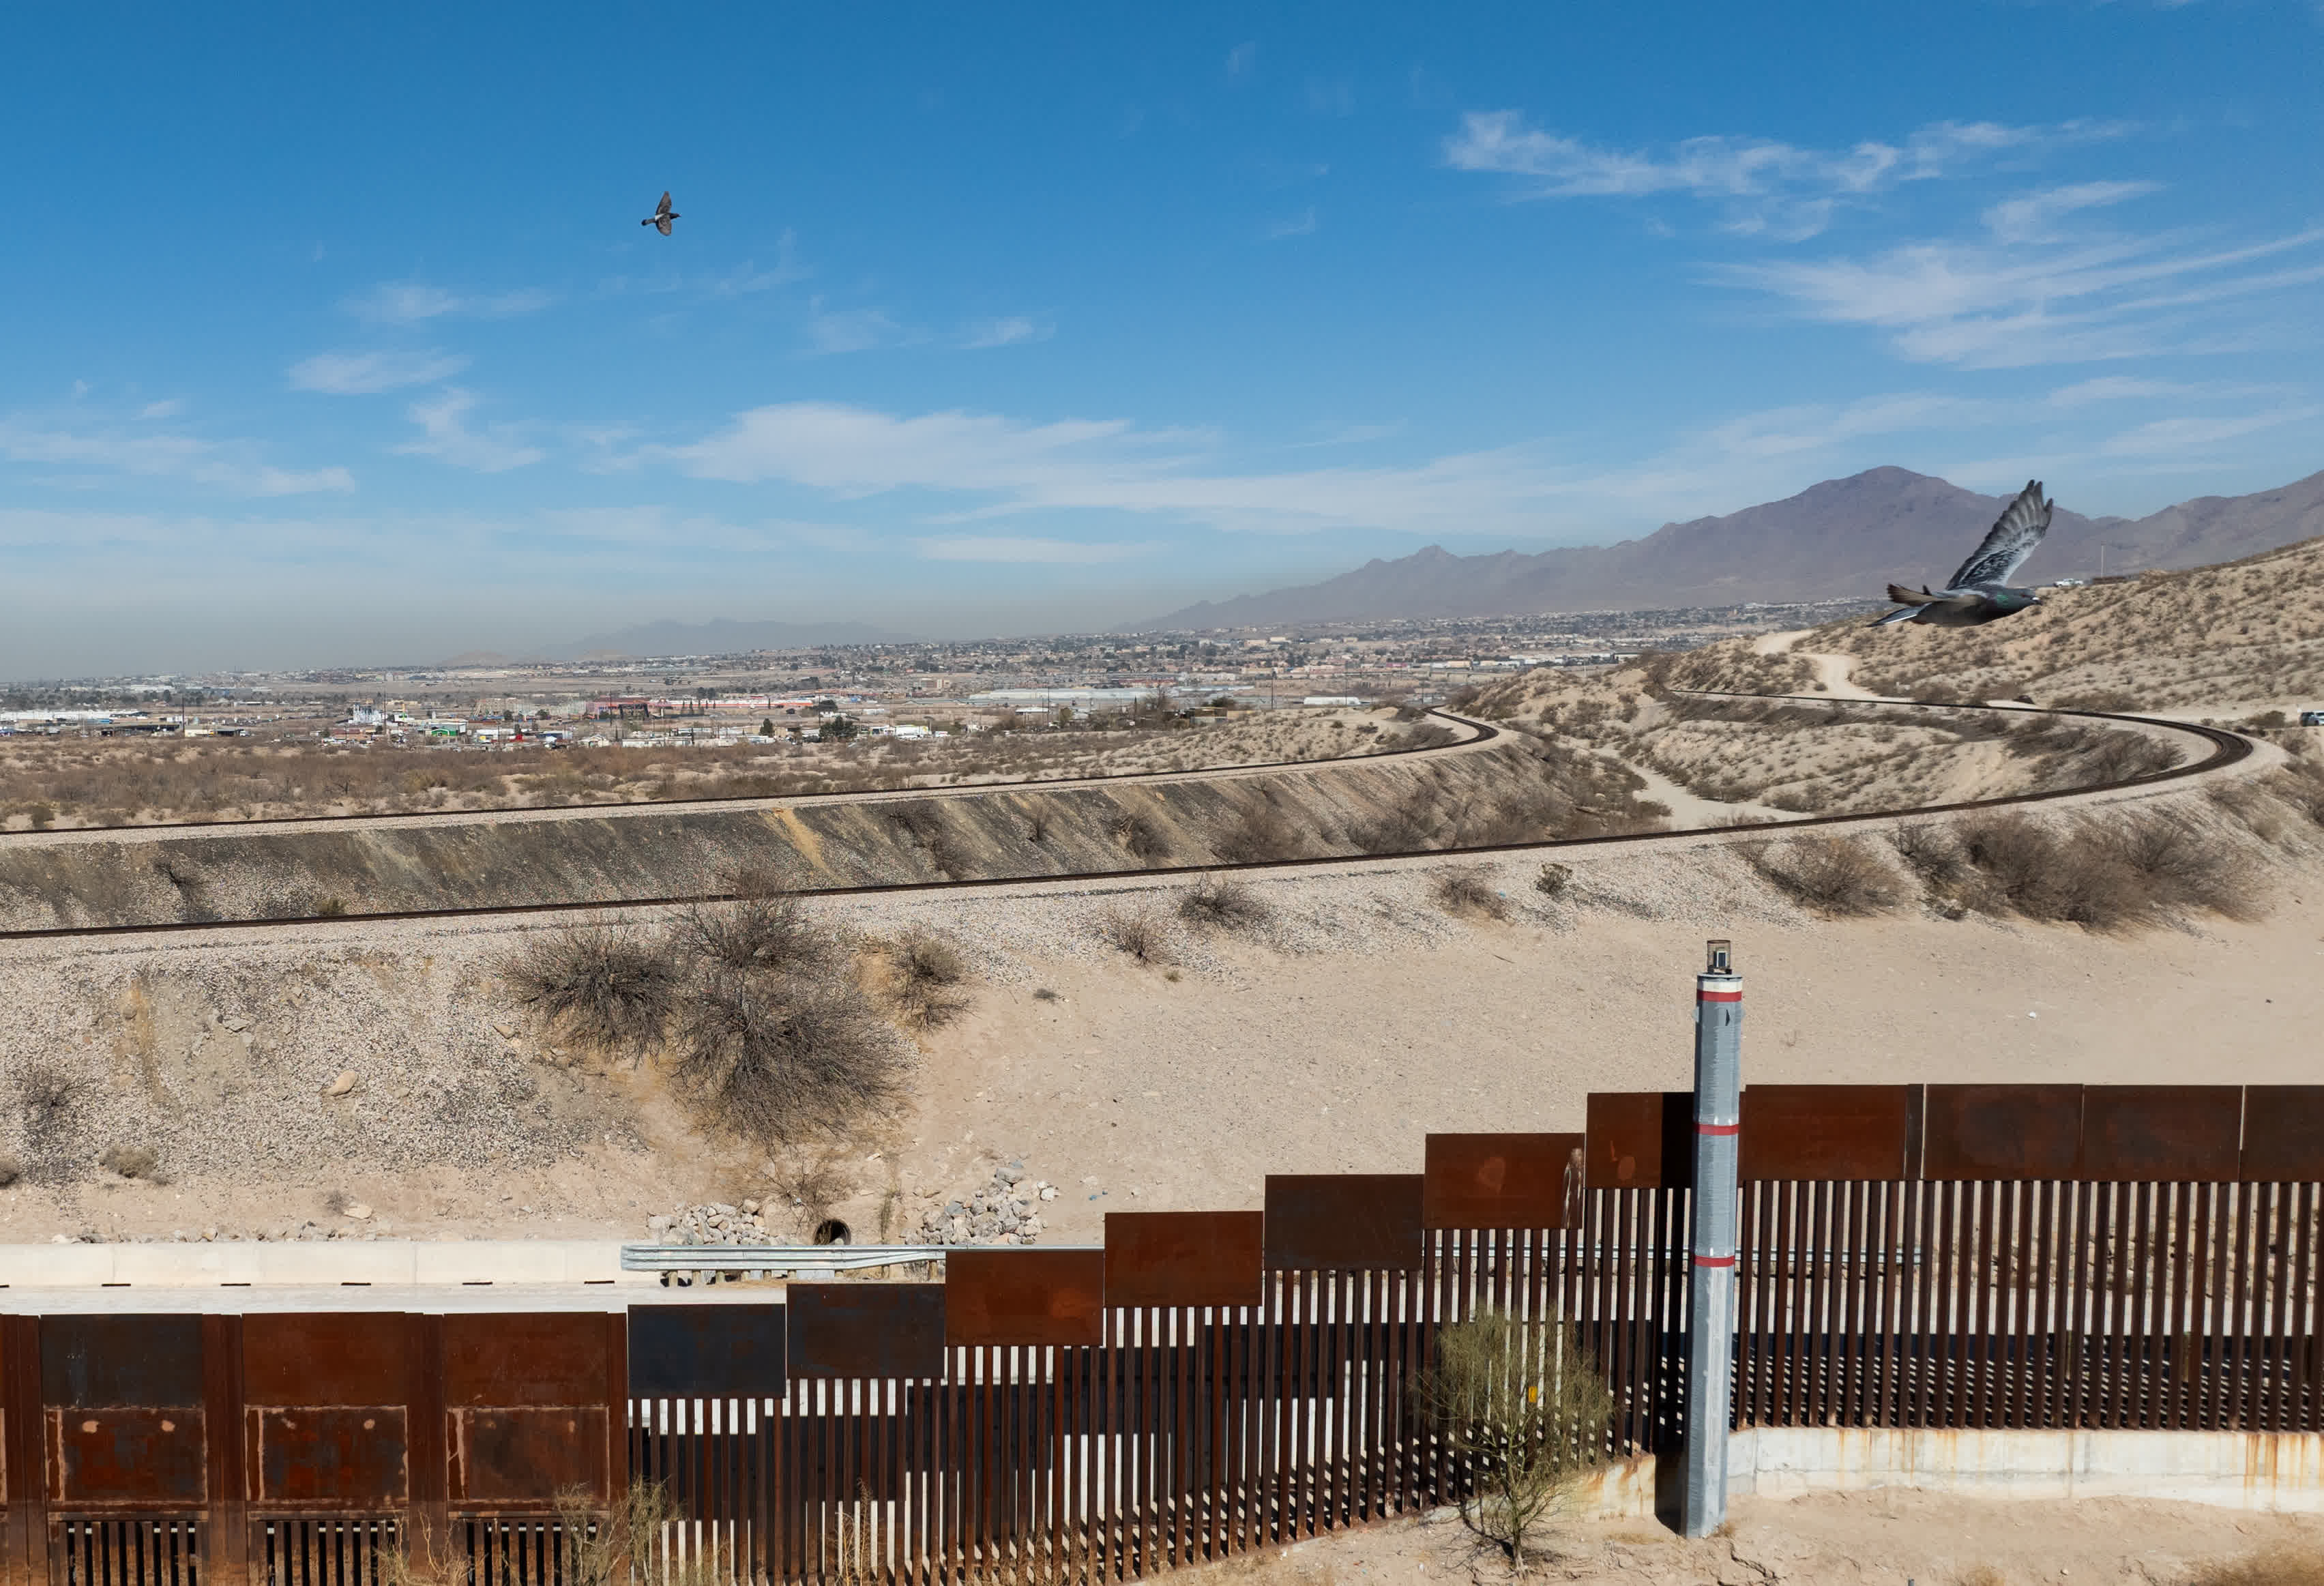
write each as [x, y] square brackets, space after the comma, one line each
[925, 973]
[1470, 892]
[1261, 833]
[1223, 903]
[133, 1161]
[779, 1059]
[2103, 875]
[1832, 875]
[1137, 931]
[1141, 838]
[11, 1170]
[1553, 879]
[611, 986]
[2287, 1564]
[761, 928]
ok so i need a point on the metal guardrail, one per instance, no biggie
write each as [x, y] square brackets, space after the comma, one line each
[790, 1260]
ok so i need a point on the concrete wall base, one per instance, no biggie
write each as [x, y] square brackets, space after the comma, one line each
[2282, 1471]
[422, 1263]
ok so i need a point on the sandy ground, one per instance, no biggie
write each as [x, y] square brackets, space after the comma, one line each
[1884, 1539]
[1362, 1017]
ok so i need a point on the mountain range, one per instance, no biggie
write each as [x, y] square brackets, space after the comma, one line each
[1841, 538]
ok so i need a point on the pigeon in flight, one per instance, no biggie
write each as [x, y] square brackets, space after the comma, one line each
[1979, 592]
[661, 216]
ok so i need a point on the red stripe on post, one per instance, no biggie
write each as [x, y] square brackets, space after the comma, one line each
[1714, 1260]
[1718, 996]
[1719, 1129]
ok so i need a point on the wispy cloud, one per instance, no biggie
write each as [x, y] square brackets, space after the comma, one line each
[2033, 218]
[230, 466]
[447, 437]
[1005, 547]
[1995, 304]
[1005, 332]
[1303, 223]
[855, 330]
[363, 373]
[409, 302]
[1242, 59]
[1766, 185]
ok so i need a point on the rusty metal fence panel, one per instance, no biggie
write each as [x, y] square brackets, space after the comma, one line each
[1918, 1256]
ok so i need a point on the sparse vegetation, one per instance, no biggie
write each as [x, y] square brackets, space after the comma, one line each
[1223, 903]
[1261, 833]
[1833, 875]
[1554, 881]
[2287, 1564]
[1137, 931]
[606, 986]
[1470, 892]
[132, 1161]
[762, 927]
[925, 975]
[1523, 1412]
[780, 1057]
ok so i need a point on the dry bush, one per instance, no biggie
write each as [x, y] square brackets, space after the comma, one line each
[1929, 852]
[1840, 876]
[611, 986]
[1523, 1412]
[924, 973]
[47, 1095]
[1553, 879]
[779, 1058]
[1470, 892]
[1223, 903]
[11, 1170]
[2285, 1564]
[1141, 837]
[1407, 825]
[132, 1162]
[813, 1183]
[1137, 931]
[761, 927]
[2104, 874]
[641, 1536]
[1261, 833]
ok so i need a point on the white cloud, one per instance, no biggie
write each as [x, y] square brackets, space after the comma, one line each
[1005, 332]
[854, 330]
[2033, 218]
[1004, 547]
[169, 408]
[409, 302]
[2187, 433]
[444, 422]
[1242, 58]
[363, 373]
[1768, 187]
[1988, 305]
[1300, 224]
[233, 467]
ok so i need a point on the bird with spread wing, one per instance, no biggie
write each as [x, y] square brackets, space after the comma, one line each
[661, 216]
[1980, 591]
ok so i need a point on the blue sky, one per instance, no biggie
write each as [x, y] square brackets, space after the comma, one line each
[330, 334]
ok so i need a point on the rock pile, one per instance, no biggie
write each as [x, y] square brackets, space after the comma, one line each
[714, 1223]
[1006, 1212]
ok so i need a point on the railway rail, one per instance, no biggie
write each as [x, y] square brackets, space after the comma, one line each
[2227, 749]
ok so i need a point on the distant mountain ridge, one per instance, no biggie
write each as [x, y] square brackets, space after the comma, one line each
[1841, 538]
[724, 636]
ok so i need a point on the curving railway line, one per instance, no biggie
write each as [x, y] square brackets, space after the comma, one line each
[2224, 749]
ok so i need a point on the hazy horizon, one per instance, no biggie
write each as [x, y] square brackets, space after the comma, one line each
[335, 340]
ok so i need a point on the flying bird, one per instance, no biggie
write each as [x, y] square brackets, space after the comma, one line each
[661, 216]
[1980, 591]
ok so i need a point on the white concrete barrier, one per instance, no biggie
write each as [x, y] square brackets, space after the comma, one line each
[304, 1264]
[2282, 1472]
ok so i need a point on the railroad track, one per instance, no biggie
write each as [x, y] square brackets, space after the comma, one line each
[2226, 749]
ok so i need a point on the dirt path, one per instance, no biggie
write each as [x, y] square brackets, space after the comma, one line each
[1881, 1538]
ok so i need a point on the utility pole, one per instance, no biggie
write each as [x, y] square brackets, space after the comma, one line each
[1710, 1286]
